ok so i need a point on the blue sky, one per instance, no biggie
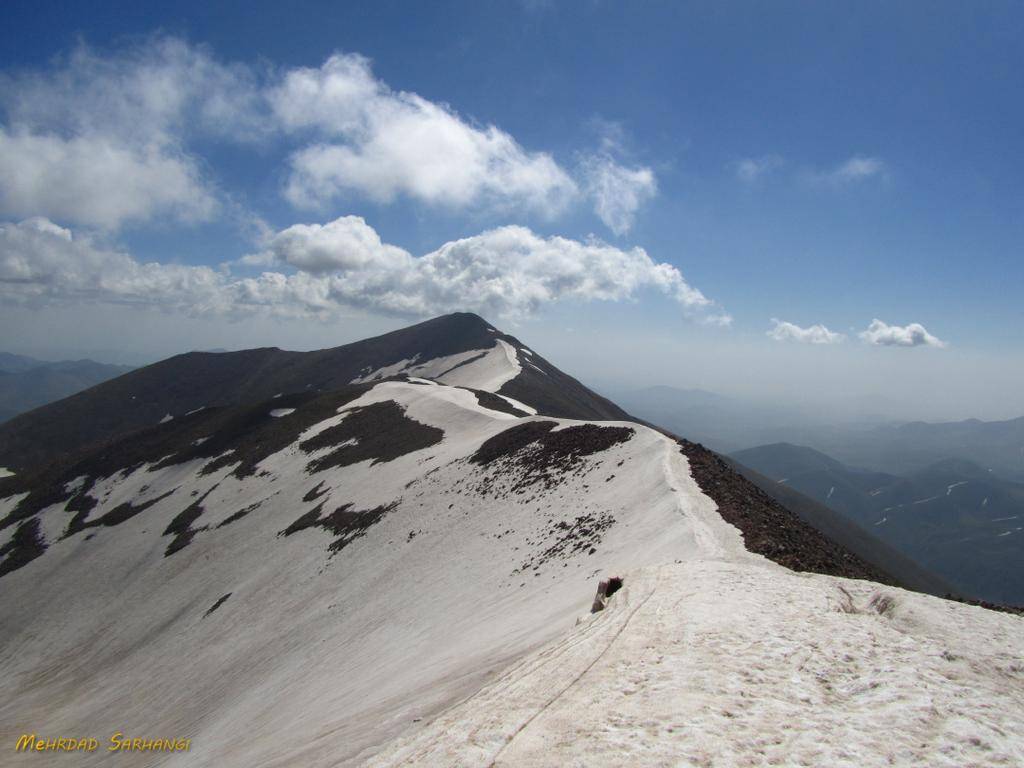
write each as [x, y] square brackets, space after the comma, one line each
[818, 164]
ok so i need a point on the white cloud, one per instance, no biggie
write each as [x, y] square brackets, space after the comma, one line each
[40, 262]
[343, 245]
[509, 271]
[384, 143]
[852, 171]
[99, 141]
[617, 191]
[814, 334]
[119, 131]
[750, 169]
[882, 334]
[96, 180]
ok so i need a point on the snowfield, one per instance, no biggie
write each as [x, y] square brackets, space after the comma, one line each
[711, 662]
[432, 608]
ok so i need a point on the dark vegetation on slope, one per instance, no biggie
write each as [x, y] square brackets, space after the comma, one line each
[24, 547]
[181, 526]
[532, 453]
[225, 437]
[582, 535]
[770, 529]
[180, 384]
[344, 523]
[116, 516]
[495, 403]
[382, 433]
[220, 601]
[248, 434]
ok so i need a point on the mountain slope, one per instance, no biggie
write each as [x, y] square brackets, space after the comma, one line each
[905, 571]
[321, 578]
[953, 517]
[180, 384]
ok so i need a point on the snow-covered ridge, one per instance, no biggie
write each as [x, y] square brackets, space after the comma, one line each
[311, 638]
[485, 369]
[332, 600]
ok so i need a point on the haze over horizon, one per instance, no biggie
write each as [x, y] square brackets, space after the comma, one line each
[807, 206]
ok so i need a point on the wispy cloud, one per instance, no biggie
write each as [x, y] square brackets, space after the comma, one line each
[882, 334]
[617, 191]
[813, 334]
[751, 169]
[854, 170]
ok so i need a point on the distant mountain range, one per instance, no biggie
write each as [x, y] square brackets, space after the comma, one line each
[729, 424]
[961, 521]
[27, 383]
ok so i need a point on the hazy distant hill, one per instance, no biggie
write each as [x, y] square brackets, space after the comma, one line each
[731, 424]
[27, 383]
[954, 517]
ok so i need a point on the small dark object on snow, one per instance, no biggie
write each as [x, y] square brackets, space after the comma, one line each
[605, 590]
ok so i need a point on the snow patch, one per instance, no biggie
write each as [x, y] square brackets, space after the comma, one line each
[167, 417]
[4, 472]
[387, 371]
[279, 412]
[517, 404]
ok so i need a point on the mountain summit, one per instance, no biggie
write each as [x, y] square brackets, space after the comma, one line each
[186, 382]
[387, 553]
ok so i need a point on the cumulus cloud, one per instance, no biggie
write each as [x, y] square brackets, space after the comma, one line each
[814, 334]
[41, 262]
[750, 169]
[509, 271]
[98, 181]
[384, 143]
[617, 191]
[99, 141]
[346, 244]
[120, 132]
[882, 334]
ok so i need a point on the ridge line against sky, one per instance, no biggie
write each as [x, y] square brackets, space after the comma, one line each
[150, 167]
